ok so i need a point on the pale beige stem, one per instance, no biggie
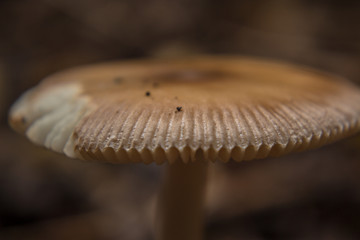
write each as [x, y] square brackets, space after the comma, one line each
[181, 202]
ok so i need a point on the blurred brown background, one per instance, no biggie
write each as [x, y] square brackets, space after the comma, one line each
[314, 195]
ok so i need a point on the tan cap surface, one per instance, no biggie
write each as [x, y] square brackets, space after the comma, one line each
[190, 109]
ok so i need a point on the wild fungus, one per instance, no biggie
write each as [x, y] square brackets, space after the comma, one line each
[236, 108]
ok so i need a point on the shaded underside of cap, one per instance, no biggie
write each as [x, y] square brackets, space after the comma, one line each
[204, 108]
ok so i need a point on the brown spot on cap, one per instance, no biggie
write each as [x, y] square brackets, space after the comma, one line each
[118, 80]
[23, 120]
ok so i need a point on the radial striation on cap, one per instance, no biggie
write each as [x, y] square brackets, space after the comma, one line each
[202, 108]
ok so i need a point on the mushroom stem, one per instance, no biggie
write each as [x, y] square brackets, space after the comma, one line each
[181, 202]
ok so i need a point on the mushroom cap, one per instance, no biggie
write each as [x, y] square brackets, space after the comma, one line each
[200, 108]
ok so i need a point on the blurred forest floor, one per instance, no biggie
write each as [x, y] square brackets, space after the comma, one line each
[314, 195]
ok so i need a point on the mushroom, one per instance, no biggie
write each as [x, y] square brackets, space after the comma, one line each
[201, 110]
